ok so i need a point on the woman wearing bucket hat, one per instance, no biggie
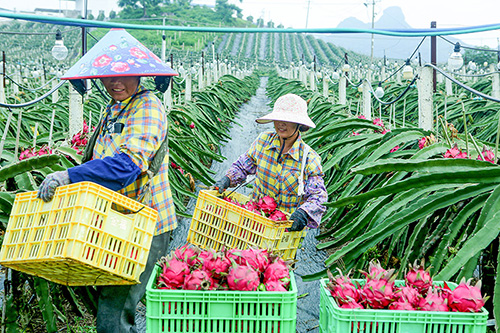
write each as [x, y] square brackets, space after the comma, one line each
[127, 153]
[285, 167]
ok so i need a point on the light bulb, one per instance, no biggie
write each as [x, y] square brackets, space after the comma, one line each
[498, 66]
[346, 68]
[335, 76]
[407, 71]
[472, 66]
[455, 61]
[379, 92]
[59, 51]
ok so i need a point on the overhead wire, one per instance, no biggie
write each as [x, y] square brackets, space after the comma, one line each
[398, 97]
[472, 90]
[22, 105]
[411, 56]
[26, 88]
[469, 47]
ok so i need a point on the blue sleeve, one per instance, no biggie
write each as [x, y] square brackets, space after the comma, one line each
[114, 172]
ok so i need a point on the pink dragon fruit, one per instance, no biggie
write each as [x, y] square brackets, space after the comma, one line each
[278, 215]
[216, 263]
[342, 288]
[488, 155]
[466, 298]
[378, 122]
[242, 278]
[256, 258]
[267, 204]
[278, 271]
[173, 273]
[187, 253]
[433, 301]
[198, 280]
[351, 304]
[375, 271]
[408, 295]
[252, 206]
[422, 143]
[378, 293]
[418, 277]
[272, 285]
[398, 305]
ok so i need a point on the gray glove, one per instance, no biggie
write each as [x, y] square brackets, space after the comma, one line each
[48, 187]
[222, 184]
[299, 218]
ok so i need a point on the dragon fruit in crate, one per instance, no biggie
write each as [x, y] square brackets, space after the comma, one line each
[242, 277]
[342, 288]
[278, 270]
[466, 298]
[419, 277]
[198, 280]
[173, 273]
[268, 205]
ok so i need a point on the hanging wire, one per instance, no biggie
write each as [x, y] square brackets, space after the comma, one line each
[26, 88]
[395, 99]
[472, 90]
[35, 33]
[404, 64]
[355, 85]
[477, 75]
[469, 47]
[22, 105]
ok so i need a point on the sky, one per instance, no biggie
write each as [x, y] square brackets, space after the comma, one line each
[329, 13]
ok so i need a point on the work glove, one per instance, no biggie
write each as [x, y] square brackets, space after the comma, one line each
[299, 218]
[50, 183]
[222, 184]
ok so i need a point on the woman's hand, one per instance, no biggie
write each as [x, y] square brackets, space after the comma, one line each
[299, 218]
[50, 183]
[222, 184]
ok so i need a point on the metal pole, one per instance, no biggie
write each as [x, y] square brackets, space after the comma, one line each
[3, 60]
[433, 56]
[84, 30]
[307, 17]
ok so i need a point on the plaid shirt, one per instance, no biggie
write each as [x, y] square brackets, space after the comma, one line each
[145, 128]
[280, 180]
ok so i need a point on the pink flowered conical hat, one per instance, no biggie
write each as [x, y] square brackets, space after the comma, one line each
[118, 54]
[291, 108]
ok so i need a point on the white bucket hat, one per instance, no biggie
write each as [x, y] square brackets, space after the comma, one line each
[290, 108]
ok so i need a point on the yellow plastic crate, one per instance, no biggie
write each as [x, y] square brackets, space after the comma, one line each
[217, 223]
[86, 235]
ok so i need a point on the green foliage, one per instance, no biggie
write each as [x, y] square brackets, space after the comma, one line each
[225, 11]
[480, 57]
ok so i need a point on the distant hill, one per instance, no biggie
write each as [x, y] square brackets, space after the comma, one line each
[394, 47]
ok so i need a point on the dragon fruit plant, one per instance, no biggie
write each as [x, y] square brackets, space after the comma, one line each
[191, 268]
[418, 292]
[265, 206]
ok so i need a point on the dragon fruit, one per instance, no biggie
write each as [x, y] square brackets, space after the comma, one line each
[488, 155]
[407, 294]
[278, 271]
[433, 301]
[378, 294]
[272, 285]
[242, 277]
[198, 280]
[187, 253]
[401, 306]
[342, 288]
[267, 205]
[376, 272]
[351, 304]
[256, 258]
[215, 263]
[418, 277]
[278, 215]
[466, 298]
[252, 206]
[173, 273]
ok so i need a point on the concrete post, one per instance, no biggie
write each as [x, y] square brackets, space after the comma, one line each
[495, 83]
[449, 88]
[367, 100]
[312, 80]
[398, 77]
[425, 116]
[2, 91]
[187, 93]
[15, 88]
[167, 98]
[55, 94]
[325, 86]
[342, 90]
[201, 84]
[75, 112]
[382, 73]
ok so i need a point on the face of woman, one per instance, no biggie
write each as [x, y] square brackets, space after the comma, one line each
[122, 87]
[285, 129]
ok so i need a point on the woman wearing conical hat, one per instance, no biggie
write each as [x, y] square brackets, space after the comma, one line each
[286, 168]
[127, 153]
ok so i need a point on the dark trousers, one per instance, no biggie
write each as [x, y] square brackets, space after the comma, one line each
[117, 304]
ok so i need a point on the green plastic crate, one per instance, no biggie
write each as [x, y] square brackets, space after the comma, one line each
[333, 319]
[180, 311]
